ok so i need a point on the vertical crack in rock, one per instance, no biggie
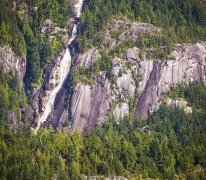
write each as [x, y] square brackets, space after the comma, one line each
[150, 92]
[98, 113]
[189, 66]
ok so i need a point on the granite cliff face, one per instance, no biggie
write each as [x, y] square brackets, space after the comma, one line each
[88, 58]
[10, 63]
[137, 86]
[90, 105]
[189, 65]
[143, 80]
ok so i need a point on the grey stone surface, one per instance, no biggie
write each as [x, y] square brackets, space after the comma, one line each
[88, 58]
[90, 105]
[126, 84]
[122, 29]
[9, 62]
[189, 66]
[179, 103]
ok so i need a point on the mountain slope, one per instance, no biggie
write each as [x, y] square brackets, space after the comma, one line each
[169, 145]
[102, 88]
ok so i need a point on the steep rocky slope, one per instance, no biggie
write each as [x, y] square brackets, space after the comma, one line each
[134, 85]
[141, 80]
[189, 65]
[135, 89]
[10, 63]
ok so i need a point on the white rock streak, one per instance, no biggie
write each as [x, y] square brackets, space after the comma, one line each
[62, 68]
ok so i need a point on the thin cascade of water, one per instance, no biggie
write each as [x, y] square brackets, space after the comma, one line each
[64, 68]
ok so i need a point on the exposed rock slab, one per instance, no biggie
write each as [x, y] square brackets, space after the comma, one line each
[121, 111]
[90, 105]
[126, 84]
[189, 65]
[123, 29]
[81, 105]
[88, 58]
[9, 62]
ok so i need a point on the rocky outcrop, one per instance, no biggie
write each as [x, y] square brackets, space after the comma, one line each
[81, 105]
[53, 31]
[126, 84]
[136, 79]
[132, 54]
[88, 58]
[121, 111]
[189, 65]
[90, 105]
[179, 103]
[10, 63]
[123, 29]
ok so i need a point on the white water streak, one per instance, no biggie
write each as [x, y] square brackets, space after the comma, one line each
[78, 7]
[63, 70]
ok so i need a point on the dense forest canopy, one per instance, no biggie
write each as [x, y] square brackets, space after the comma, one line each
[12, 96]
[172, 146]
[182, 21]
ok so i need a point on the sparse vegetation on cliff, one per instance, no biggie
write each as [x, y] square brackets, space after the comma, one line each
[21, 25]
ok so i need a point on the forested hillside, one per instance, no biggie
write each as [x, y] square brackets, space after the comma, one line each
[23, 29]
[21, 24]
[91, 105]
[181, 21]
[172, 146]
[12, 97]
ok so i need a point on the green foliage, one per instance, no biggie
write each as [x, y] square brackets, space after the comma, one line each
[174, 144]
[12, 96]
[189, 92]
[182, 21]
[33, 70]
[20, 29]
[173, 147]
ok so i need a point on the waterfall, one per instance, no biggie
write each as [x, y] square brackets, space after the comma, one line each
[78, 6]
[62, 71]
